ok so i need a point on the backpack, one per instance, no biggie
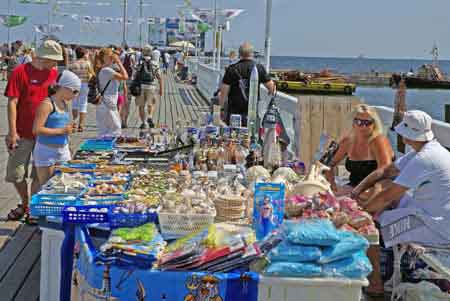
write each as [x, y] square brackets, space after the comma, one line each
[146, 72]
[127, 64]
[94, 94]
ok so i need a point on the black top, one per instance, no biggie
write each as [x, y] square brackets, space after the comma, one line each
[237, 104]
[359, 170]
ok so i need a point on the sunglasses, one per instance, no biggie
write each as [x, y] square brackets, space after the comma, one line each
[362, 122]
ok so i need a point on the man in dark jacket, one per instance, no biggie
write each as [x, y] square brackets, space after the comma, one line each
[241, 71]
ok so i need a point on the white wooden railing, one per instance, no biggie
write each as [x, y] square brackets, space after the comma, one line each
[208, 79]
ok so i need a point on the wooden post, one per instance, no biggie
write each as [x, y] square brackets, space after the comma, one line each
[447, 113]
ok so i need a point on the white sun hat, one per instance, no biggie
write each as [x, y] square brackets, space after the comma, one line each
[416, 126]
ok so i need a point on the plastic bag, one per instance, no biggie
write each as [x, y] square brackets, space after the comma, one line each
[294, 253]
[143, 233]
[350, 243]
[357, 267]
[316, 232]
[293, 269]
[223, 234]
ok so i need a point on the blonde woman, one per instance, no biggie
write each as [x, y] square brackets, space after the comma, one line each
[107, 115]
[365, 149]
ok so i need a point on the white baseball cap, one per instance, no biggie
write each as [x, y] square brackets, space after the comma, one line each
[416, 126]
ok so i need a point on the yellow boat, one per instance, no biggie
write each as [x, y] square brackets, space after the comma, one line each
[317, 87]
[319, 83]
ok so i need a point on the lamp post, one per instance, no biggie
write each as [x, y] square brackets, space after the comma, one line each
[215, 34]
[125, 22]
[9, 28]
[268, 42]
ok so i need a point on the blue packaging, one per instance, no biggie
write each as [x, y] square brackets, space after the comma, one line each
[315, 232]
[356, 267]
[288, 252]
[294, 269]
[350, 243]
[268, 209]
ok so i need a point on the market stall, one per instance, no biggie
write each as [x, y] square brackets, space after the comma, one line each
[195, 215]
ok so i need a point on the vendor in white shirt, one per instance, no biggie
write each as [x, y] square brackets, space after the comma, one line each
[421, 183]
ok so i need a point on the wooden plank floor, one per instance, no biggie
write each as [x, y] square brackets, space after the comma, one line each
[20, 244]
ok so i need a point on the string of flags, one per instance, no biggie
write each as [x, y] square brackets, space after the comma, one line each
[110, 20]
[33, 1]
[48, 28]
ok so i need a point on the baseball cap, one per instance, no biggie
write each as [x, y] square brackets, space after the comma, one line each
[416, 126]
[68, 79]
[50, 50]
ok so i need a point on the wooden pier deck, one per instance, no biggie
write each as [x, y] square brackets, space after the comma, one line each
[20, 244]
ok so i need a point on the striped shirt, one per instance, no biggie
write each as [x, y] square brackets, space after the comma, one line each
[81, 69]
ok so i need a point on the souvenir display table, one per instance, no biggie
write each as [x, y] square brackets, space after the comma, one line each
[193, 215]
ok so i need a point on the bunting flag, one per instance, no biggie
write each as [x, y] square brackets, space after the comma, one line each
[108, 20]
[203, 27]
[81, 3]
[33, 1]
[48, 28]
[207, 15]
[12, 20]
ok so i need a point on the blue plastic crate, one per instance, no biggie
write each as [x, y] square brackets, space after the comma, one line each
[51, 204]
[105, 144]
[86, 214]
[107, 200]
[118, 220]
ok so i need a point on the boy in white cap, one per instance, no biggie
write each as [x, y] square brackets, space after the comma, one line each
[422, 184]
[27, 88]
[52, 126]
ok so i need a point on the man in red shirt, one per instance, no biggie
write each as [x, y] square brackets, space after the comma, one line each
[27, 87]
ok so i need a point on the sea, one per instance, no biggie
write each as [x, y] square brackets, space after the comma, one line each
[430, 101]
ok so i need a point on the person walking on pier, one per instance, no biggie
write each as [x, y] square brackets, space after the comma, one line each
[107, 114]
[82, 67]
[26, 89]
[148, 75]
[240, 72]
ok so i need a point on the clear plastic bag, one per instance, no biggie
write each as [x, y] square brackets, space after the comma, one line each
[357, 267]
[350, 243]
[293, 269]
[294, 253]
[316, 232]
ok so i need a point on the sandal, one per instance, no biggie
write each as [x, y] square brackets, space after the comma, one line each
[31, 221]
[80, 129]
[16, 214]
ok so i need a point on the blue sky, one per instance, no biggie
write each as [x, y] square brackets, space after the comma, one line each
[382, 28]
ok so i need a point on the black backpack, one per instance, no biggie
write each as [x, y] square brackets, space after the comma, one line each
[94, 94]
[146, 72]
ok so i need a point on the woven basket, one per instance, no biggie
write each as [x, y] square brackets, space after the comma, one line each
[174, 225]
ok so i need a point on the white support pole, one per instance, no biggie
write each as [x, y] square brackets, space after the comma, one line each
[9, 28]
[125, 22]
[141, 23]
[268, 41]
[215, 34]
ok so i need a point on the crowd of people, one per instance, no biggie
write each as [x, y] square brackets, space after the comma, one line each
[44, 83]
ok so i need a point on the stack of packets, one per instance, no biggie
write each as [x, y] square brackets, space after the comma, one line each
[315, 248]
[343, 212]
[140, 246]
[219, 248]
